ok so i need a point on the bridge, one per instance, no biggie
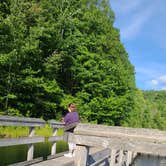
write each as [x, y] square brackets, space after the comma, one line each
[97, 145]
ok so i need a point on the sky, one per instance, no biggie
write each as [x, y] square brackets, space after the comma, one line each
[142, 25]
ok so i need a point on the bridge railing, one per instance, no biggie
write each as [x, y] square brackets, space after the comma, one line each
[54, 138]
[30, 140]
[117, 145]
[124, 143]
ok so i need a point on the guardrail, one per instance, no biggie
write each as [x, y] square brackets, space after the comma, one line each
[32, 139]
[116, 146]
[54, 138]
[124, 143]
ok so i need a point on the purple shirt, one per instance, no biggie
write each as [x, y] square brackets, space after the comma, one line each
[71, 117]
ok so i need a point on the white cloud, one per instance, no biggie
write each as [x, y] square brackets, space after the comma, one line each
[147, 72]
[137, 22]
[163, 88]
[162, 79]
[159, 83]
[142, 27]
[154, 82]
[151, 77]
[132, 16]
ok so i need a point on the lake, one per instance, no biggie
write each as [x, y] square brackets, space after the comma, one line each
[14, 154]
[147, 160]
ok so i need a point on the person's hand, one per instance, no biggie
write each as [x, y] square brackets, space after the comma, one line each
[62, 120]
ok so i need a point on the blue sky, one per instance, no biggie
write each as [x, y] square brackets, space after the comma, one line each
[142, 25]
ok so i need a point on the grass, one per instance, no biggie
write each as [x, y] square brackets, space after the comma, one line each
[19, 131]
[46, 131]
[13, 132]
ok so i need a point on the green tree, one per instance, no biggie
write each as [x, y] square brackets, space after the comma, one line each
[61, 51]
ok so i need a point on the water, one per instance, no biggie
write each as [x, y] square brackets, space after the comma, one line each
[15, 154]
[147, 160]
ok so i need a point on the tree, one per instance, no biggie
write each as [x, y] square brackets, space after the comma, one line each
[60, 50]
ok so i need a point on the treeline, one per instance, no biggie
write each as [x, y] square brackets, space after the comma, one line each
[150, 110]
[56, 52]
[157, 102]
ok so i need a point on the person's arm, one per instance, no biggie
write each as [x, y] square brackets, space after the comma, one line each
[62, 119]
[66, 118]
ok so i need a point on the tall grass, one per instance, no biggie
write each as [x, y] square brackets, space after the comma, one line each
[13, 131]
[19, 131]
[46, 131]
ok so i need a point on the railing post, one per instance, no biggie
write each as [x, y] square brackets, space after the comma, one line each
[120, 158]
[128, 158]
[66, 136]
[81, 155]
[112, 159]
[53, 148]
[31, 146]
[134, 155]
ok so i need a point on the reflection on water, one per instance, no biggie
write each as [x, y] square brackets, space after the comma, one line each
[14, 154]
[147, 160]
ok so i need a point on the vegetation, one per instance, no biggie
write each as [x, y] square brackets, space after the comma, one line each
[157, 102]
[150, 110]
[18, 131]
[56, 52]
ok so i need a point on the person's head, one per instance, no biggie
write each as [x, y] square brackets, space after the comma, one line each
[72, 107]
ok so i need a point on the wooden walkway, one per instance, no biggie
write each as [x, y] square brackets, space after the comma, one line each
[96, 144]
[60, 161]
[65, 161]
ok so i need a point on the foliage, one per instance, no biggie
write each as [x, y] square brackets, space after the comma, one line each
[149, 111]
[56, 52]
[157, 103]
[19, 131]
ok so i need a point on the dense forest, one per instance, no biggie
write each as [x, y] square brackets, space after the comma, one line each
[150, 110]
[56, 52]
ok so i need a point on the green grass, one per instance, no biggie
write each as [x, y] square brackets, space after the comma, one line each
[13, 132]
[19, 131]
[46, 131]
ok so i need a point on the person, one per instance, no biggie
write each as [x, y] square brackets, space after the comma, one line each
[71, 117]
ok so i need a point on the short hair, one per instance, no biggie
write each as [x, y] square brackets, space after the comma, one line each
[72, 105]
